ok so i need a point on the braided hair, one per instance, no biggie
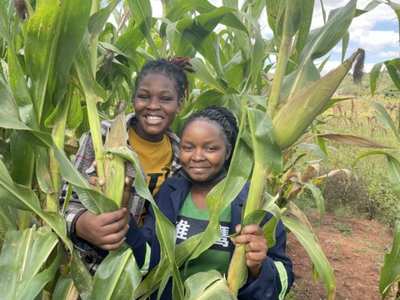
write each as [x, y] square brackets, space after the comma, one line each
[224, 118]
[173, 68]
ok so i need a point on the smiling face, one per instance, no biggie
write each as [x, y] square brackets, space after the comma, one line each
[156, 103]
[203, 150]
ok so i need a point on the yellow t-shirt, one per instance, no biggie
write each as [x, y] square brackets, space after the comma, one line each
[156, 159]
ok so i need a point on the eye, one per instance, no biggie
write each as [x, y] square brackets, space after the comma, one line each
[187, 148]
[211, 149]
[167, 99]
[142, 96]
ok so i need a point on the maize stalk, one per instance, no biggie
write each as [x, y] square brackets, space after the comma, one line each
[114, 166]
[300, 110]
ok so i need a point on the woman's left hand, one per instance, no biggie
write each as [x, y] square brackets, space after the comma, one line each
[256, 247]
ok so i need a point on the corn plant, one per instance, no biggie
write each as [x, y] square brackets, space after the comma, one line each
[64, 68]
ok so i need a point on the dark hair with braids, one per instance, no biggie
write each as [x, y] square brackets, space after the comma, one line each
[173, 68]
[224, 118]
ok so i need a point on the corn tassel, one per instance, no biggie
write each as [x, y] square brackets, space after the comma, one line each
[114, 166]
[298, 112]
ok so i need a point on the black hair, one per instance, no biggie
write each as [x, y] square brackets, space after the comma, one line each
[173, 68]
[224, 118]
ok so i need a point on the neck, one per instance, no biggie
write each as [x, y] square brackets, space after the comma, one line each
[202, 189]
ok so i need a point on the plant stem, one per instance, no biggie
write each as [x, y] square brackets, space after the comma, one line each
[283, 57]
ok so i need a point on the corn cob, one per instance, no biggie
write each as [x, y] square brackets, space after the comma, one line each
[114, 166]
[300, 110]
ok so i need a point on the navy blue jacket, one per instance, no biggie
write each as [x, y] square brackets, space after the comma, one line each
[276, 271]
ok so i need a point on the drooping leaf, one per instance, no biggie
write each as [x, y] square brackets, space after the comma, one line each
[316, 254]
[22, 261]
[117, 276]
[207, 285]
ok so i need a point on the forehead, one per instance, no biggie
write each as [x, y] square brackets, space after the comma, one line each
[204, 127]
[157, 79]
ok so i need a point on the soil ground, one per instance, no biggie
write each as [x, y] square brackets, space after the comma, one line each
[355, 249]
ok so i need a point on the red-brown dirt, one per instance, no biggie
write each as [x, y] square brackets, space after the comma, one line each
[355, 249]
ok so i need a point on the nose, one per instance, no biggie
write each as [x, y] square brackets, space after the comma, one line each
[198, 155]
[154, 103]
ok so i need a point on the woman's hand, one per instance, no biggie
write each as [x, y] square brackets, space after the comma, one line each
[256, 247]
[107, 230]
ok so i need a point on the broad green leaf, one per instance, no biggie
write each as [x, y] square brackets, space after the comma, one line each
[72, 20]
[128, 42]
[65, 289]
[4, 25]
[98, 20]
[39, 47]
[320, 41]
[391, 269]
[117, 276]
[165, 230]
[393, 68]
[256, 50]
[319, 200]
[265, 146]
[23, 273]
[390, 273]
[316, 254]
[8, 221]
[142, 14]
[374, 76]
[203, 74]
[207, 285]
[317, 150]
[7, 103]
[153, 279]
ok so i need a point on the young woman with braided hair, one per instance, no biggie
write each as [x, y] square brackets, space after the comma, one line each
[206, 148]
[160, 87]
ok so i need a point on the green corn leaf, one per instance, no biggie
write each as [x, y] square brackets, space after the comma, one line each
[207, 285]
[374, 76]
[391, 269]
[65, 289]
[22, 261]
[7, 103]
[319, 42]
[203, 74]
[142, 14]
[98, 20]
[165, 230]
[72, 19]
[117, 276]
[316, 254]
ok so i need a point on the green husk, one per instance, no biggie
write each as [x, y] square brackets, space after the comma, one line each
[298, 112]
[114, 165]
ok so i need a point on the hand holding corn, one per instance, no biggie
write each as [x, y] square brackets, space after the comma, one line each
[256, 247]
[106, 231]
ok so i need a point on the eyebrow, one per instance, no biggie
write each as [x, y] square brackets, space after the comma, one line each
[147, 90]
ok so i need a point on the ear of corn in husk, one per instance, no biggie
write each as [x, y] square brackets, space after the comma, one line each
[300, 110]
[114, 165]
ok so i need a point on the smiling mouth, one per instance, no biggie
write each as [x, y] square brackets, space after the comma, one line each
[153, 120]
[198, 169]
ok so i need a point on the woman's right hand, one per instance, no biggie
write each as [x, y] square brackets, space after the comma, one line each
[107, 230]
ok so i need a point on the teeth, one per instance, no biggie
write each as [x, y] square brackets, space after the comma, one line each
[153, 118]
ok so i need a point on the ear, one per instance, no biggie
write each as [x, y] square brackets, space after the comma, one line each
[228, 152]
[180, 106]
